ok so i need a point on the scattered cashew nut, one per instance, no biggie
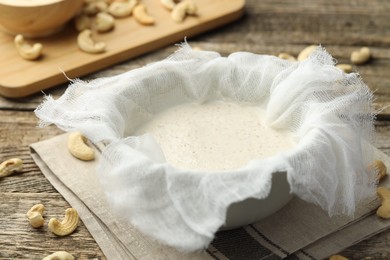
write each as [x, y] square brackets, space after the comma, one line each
[34, 215]
[122, 9]
[104, 22]
[95, 7]
[10, 166]
[87, 44]
[337, 257]
[361, 56]
[82, 22]
[306, 52]
[78, 148]
[60, 255]
[347, 68]
[67, 225]
[27, 51]
[140, 14]
[187, 7]
[286, 56]
[384, 195]
[168, 4]
[381, 169]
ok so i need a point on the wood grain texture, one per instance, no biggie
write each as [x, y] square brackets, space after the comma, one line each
[19, 77]
[269, 27]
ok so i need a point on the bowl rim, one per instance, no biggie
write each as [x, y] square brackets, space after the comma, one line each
[29, 3]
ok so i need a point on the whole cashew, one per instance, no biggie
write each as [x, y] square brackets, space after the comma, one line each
[60, 255]
[306, 52]
[78, 148]
[10, 166]
[95, 7]
[381, 169]
[384, 195]
[27, 51]
[182, 9]
[337, 257]
[67, 225]
[82, 22]
[286, 56]
[141, 15]
[34, 215]
[361, 56]
[168, 4]
[104, 22]
[87, 44]
[122, 9]
[347, 68]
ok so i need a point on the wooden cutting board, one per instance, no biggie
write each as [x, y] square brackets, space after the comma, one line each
[19, 77]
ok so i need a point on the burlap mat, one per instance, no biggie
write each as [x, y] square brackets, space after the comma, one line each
[299, 230]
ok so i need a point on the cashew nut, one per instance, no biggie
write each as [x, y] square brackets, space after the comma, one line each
[27, 51]
[381, 169]
[140, 14]
[168, 4]
[87, 44]
[95, 7]
[34, 215]
[122, 9]
[347, 68]
[67, 225]
[361, 56]
[60, 255]
[384, 195]
[10, 166]
[82, 22]
[337, 257]
[78, 148]
[306, 52]
[187, 7]
[286, 56]
[104, 22]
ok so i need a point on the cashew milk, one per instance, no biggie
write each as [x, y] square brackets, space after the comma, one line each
[215, 136]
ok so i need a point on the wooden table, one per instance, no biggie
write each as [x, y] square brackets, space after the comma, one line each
[269, 27]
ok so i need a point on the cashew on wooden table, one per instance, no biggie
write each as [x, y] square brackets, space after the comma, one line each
[67, 225]
[10, 166]
[60, 255]
[35, 215]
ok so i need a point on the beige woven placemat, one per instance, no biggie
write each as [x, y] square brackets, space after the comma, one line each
[299, 230]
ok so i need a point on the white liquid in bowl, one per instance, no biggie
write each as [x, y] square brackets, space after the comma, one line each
[215, 136]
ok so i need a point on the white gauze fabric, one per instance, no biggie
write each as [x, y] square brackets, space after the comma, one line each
[329, 112]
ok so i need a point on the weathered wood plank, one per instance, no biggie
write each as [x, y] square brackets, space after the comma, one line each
[269, 27]
[21, 191]
[20, 241]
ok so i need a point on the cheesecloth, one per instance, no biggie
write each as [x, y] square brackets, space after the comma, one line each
[328, 111]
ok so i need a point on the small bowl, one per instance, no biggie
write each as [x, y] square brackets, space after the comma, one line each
[36, 18]
[252, 210]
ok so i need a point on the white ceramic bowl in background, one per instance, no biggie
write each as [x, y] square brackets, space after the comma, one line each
[36, 18]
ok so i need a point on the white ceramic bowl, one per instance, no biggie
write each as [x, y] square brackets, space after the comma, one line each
[36, 18]
[252, 210]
